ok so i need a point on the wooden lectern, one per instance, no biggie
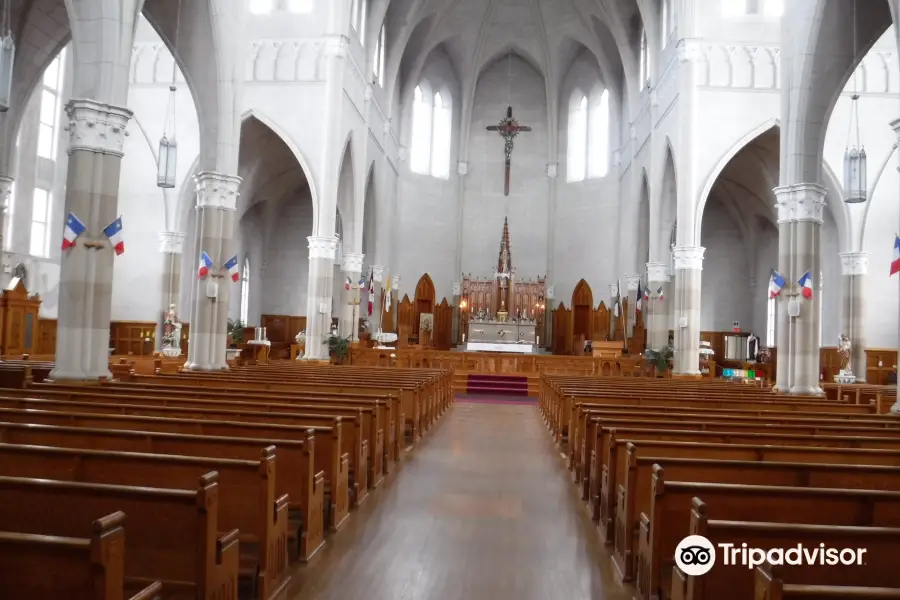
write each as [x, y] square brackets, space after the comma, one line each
[18, 319]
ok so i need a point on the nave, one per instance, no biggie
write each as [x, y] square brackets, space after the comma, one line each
[483, 510]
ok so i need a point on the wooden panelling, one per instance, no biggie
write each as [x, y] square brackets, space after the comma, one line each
[562, 330]
[601, 323]
[387, 317]
[46, 342]
[18, 320]
[885, 372]
[582, 312]
[137, 338]
[443, 326]
[406, 316]
[425, 299]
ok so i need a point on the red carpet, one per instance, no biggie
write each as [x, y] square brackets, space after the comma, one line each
[487, 399]
[497, 385]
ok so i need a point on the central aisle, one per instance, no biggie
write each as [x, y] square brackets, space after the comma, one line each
[483, 510]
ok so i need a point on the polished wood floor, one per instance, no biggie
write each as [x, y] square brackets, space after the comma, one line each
[482, 510]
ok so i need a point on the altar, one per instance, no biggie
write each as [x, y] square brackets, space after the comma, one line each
[501, 333]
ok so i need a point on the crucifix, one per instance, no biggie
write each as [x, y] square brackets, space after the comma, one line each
[508, 129]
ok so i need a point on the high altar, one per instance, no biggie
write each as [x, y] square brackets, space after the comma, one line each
[504, 313]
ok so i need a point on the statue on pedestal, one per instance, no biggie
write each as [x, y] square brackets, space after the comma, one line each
[845, 348]
[171, 340]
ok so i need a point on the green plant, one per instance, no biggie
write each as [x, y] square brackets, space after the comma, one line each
[338, 347]
[660, 358]
[236, 331]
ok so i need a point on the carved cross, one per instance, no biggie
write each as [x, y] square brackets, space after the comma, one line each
[508, 129]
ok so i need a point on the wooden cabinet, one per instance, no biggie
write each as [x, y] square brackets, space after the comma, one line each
[18, 319]
[135, 338]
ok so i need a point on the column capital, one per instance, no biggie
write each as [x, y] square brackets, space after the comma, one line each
[378, 273]
[657, 271]
[688, 257]
[800, 202]
[217, 190]
[97, 127]
[854, 263]
[352, 262]
[632, 281]
[171, 242]
[322, 246]
[613, 290]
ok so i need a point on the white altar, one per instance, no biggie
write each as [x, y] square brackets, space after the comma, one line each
[508, 348]
[501, 333]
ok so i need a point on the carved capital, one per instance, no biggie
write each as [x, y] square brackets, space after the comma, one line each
[171, 242]
[800, 202]
[352, 262]
[97, 127]
[217, 190]
[689, 258]
[658, 272]
[854, 263]
[6, 184]
[322, 246]
[632, 281]
[895, 125]
[378, 273]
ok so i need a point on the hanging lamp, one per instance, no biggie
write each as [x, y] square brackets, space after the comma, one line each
[167, 158]
[7, 58]
[855, 176]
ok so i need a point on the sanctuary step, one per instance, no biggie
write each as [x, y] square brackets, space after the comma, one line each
[503, 385]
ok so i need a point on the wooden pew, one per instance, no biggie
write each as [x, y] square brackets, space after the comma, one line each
[878, 567]
[329, 440]
[771, 586]
[247, 500]
[294, 468]
[670, 519]
[172, 533]
[84, 568]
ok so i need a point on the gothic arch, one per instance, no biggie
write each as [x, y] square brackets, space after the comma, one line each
[425, 299]
[582, 322]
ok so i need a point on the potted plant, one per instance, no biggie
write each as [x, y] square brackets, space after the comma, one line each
[661, 359]
[235, 332]
[338, 348]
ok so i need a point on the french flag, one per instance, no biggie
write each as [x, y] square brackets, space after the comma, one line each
[659, 293]
[806, 286]
[895, 263]
[205, 264]
[232, 268]
[74, 228]
[639, 299]
[347, 284]
[776, 282]
[113, 232]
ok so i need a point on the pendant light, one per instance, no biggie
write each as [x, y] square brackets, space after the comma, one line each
[855, 176]
[7, 58]
[168, 147]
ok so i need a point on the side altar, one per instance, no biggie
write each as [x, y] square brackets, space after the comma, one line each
[502, 313]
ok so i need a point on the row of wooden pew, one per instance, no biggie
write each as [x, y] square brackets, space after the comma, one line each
[205, 485]
[656, 461]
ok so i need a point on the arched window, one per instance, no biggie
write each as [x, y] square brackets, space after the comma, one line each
[261, 7]
[598, 141]
[577, 153]
[245, 292]
[432, 132]
[378, 69]
[645, 61]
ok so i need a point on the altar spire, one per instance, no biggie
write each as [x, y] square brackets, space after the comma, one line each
[504, 261]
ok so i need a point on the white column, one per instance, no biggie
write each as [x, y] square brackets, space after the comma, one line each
[322, 251]
[854, 268]
[351, 299]
[657, 309]
[613, 321]
[688, 271]
[6, 184]
[895, 409]
[633, 282]
[375, 319]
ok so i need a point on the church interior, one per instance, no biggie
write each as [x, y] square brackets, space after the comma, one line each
[452, 267]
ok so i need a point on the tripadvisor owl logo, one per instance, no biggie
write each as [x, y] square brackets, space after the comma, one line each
[695, 555]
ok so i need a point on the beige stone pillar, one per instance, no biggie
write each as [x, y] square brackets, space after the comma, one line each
[657, 308]
[633, 282]
[613, 321]
[351, 300]
[854, 268]
[688, 272]
[322, 251]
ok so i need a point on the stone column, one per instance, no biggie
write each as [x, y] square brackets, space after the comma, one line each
[633, 282]
[352, 299]
[657, 308]
[171, 246]
[613, 321]
[800, 211]
[6, 184]
[322, 251]
[96, 140]
[854, 268]
[375, 319]
[217, 196]
[688, 272]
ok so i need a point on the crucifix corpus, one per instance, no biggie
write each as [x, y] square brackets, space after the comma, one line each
[508, 129]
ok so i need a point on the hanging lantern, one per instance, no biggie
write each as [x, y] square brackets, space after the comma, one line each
[7, 56]
[168, 148]
[855, 175]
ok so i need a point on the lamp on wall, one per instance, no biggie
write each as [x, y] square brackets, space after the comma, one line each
[855, 177]
[168, 147]
[7, 58]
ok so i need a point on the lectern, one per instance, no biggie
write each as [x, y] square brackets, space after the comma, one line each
[18, 319]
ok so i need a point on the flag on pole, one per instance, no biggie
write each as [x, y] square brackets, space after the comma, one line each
[639, 300]
[616, 307]
[895, 263]
[74, 228]
[371, 291]
[387, 295]
[205, 264]
[659, 293]
[347, 283]
[776, 282]
[232, 268]
[806, 287]
[113, 232]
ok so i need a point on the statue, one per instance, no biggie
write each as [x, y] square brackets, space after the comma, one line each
[171, 340]
[844, 351]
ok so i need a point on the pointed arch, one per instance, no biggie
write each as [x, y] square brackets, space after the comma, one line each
[346, 188]
[643, 230]
[369, 244]
[665, 210]
[424, 302]
[582, 322]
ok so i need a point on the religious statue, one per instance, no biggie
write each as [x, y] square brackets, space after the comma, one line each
[171, 339]
[844, 350]
[508, 129]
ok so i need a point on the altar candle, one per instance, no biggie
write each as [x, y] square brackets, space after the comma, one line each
[464, 338]
[537, 340]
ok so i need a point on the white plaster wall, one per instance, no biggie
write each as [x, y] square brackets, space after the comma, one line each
[284, 281]
[727, 297]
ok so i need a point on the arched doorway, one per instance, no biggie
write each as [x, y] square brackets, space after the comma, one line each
[582, 312]
[424, 302]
